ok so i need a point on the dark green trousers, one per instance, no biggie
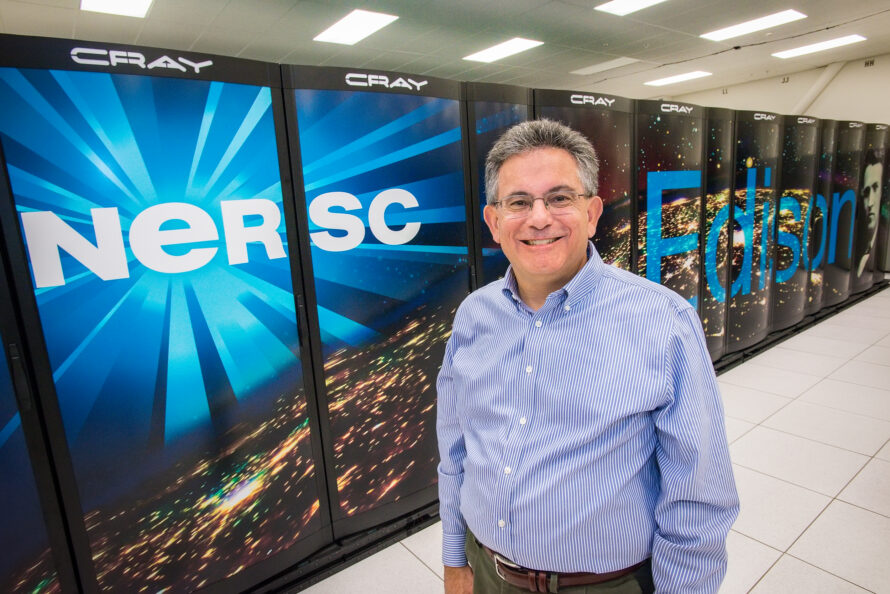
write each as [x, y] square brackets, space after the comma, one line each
[487, 581]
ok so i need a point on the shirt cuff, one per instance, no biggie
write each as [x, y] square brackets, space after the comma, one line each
[454, 553]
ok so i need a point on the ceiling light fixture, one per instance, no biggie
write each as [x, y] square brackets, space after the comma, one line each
[355, 26]
[678, 78]
[818, 47]
[502, 50]
[623, 7]
[130, 8]
[616, 63]
[772, 20]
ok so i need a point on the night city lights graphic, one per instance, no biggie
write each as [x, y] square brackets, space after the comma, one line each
[384, 308]
[758, 145]
[719, 173]
[669, 161]
[375, 408]
[749, 311]
[178, 374]
[799, 171]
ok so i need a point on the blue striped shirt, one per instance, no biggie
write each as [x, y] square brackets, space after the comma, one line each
[587, 435]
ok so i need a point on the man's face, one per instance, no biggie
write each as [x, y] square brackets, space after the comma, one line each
[545, 250]
[871, 194]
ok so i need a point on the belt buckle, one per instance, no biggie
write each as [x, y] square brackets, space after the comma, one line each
[498, 558]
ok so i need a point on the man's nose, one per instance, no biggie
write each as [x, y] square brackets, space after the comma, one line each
[540, 214]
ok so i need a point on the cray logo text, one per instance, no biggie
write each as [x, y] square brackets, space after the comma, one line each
[92, 56]
[591, 100]
[357, 79]
[673, 107]
[764, 116]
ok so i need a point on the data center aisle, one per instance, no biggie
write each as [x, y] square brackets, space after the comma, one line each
[808, 423]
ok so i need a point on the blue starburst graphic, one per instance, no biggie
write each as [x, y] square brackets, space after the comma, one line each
[363, 143]
[152, 361]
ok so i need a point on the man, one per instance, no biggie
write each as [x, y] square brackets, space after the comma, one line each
[872, 180]
[579, 422]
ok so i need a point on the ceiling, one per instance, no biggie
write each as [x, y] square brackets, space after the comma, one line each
[432, 36]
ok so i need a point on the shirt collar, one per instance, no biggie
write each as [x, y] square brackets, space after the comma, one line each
[576, 289]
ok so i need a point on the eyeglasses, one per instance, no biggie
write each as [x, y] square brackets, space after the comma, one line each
[557, 203]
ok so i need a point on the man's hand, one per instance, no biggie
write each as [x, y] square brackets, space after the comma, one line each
[458, 580]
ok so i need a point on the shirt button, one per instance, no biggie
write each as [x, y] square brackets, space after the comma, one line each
[522, 421]
[501, 523]
[507, 470]
[539, 323]
[528, 369]
[567, 307]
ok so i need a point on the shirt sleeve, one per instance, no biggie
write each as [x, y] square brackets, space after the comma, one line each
[698, 501]
[452, 452]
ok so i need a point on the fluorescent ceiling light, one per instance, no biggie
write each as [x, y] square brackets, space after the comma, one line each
[818, 47]
[131, 8]
[616, 63]
[675, 79]
[355, 26]
[623, 7]
[502, 50]
[772, 20]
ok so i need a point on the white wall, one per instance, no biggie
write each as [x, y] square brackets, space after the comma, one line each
[855, 92]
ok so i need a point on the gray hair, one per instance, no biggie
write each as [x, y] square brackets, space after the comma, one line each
[535, 134]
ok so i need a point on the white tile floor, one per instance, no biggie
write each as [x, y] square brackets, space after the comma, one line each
[809, 427]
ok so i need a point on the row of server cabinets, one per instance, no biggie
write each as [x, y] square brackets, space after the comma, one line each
[227, 286]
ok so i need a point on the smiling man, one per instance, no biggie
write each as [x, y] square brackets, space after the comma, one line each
[580, 427]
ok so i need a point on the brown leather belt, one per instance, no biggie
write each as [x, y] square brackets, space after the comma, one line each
[543, 581]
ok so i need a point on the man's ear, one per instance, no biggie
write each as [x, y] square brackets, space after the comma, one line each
[594, 212]
[490, 214]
